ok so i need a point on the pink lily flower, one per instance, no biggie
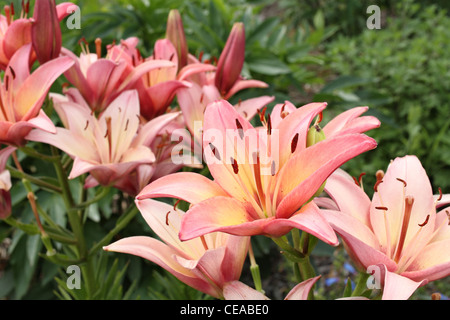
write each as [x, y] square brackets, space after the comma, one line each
[207, 263]
[398, 230]
[101, 80]
[108, 147]
[22, 95]
[258, 193]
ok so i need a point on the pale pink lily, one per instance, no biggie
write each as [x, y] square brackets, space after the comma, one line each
[207, 263]
[101, 80]
[108, 147]
[399, 229]
[264, 178]
[22, 95]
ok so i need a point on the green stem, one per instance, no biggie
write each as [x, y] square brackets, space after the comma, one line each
[122, 222]
[75, 221]
[254, 269]
[285, 246]
[43, 184]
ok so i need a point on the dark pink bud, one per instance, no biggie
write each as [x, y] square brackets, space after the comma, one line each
[46, 31]
[231, 60]
[175, 34]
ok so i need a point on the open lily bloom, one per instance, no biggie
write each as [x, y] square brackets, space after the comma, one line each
[399, 229]
[264, 178]
[101, 80]
[108, 147]
[206, 263]
[22, 95]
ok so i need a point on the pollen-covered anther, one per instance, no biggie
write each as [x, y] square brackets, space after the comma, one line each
[240, 129]
[176, 204]
[214, 151]
[382, 208]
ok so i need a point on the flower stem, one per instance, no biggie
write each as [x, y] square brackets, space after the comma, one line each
[254, 269]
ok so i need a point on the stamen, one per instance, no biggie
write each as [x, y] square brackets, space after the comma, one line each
[204, 242]
[425, 222]
[235, 166]
[273, 169]
[200, 56]
[360, 177]
[13, 73]
[8, 14]
[382, 208]
[167, 218]
[87, 124]
[126, 124]
[375, 188]
[214, 151]
[294, 143]
[175, 205]
[269, 125]
[240, 129]
[404, 182]
[440, 194]
[257, 174]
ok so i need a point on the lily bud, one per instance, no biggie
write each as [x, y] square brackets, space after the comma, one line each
[315, 135]
[231, 60]
[175, 34]
[5, 204]
[46, 32]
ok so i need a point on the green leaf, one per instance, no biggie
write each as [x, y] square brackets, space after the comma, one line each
[267, 66]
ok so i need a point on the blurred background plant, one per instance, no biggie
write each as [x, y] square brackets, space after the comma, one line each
[306, 51]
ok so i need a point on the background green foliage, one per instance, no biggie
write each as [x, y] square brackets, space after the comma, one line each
[306, 51]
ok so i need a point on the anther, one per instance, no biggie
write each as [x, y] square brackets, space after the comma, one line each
[126, 124]
[382, 208]
[403, 181]
[294, 143]
[240, 129]
[375, 187]
[273, 168]
[269, 126]
[360, 177]
[167, 218]
[440, 194]
[176, 204]
[87, 124]
[214, 151]
[235, 166]
[425, 222]
[13, 73]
